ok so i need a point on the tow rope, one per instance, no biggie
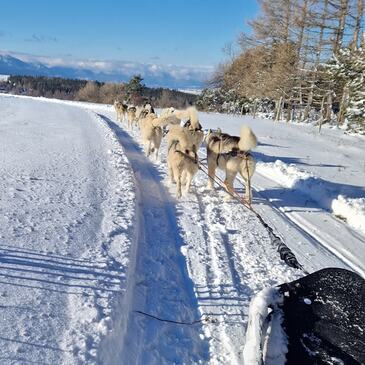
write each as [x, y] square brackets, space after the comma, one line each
[205, 319]
[286, 254]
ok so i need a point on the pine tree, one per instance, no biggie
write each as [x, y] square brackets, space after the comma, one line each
[348, 67]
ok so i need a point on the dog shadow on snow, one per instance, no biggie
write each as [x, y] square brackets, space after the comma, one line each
[262, 157]
[163, 287]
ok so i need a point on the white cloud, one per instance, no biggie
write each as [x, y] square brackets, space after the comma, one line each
[152, 72]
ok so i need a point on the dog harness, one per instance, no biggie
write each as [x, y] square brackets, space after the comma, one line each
[234, 153]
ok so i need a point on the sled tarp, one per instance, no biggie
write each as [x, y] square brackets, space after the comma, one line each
[324, 318]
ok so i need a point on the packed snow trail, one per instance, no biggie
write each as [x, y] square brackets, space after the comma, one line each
[162, 286]
[64, 242]
[337, 163]
[69, 295]
[228, 255]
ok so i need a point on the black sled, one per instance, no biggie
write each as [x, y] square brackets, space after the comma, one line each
[318, 319]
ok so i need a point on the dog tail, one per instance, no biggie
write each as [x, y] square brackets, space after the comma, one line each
[178, 133]
[189, 114]
[165, 120]
[193, 117]
[248, 140]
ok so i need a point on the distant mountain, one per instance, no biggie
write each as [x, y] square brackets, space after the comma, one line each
[174, 77]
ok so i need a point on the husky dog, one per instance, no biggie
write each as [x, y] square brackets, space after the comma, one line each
[167, 111]
[131, 114]
[231, 154]
[151, 131]
[148, 106]
[121, 110]
[182, 159]
[195, 129]
[144, 112]
[139, 110]
[191, 117]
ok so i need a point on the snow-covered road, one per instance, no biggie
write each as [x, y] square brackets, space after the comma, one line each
[61, 242]
[91, 233]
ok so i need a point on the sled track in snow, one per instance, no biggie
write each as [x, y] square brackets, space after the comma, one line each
[317, 241]
[228, 261]
[160, 284]
[228, 257]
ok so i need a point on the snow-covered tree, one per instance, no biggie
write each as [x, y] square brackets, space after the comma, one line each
[348, 67]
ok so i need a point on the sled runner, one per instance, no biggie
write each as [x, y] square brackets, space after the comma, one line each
[318, 319]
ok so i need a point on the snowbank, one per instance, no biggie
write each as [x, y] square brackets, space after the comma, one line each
[353, 210]
[320, 191]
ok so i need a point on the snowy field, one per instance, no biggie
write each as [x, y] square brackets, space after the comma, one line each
[91, 233]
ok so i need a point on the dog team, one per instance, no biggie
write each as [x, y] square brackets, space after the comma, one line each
[185, 135]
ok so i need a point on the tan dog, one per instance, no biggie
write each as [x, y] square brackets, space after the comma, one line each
[182, 159]
[139, 110]
[120, 109]
[167, 111]
[231, 154]
[131, 114]
[146, 110]
[151, 131]
[190, 115]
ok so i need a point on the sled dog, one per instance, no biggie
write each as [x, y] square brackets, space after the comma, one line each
[151, 131]
[146, 110]
[131, 114]
[120, 109]
[231, 154]
[191, 117]
[167, 111]
[182, 159]
[139, 110]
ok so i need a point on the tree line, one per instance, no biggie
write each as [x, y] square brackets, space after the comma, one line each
[132, 92]
[303, 60]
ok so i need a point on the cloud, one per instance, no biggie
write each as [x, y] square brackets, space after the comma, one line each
[154, 74]
[41, 39]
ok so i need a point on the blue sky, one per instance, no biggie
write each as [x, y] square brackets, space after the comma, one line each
[181, 32]
[176, 42]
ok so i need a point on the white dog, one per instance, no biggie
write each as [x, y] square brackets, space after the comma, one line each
[182, 159]
[120, 109]
[231, 154]
[131, 114]
[151, 131]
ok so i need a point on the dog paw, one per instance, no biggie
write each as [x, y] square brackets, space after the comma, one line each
[228, 198]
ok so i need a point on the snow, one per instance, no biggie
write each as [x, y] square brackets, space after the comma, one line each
[91, 233]
[4, 77]
[321, 192]
[352, 210]
[66, 216]
[253, 352]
